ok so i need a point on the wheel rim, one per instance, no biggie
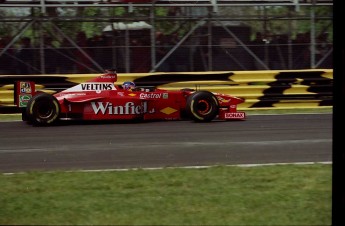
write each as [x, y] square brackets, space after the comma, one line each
[203, 107]
[44, 110]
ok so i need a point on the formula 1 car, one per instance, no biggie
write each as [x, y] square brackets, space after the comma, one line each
[100, 99]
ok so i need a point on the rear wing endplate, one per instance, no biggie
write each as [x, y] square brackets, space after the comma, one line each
[23, 92]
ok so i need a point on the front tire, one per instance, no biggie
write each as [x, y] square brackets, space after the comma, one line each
[43, 109]
[202, 106]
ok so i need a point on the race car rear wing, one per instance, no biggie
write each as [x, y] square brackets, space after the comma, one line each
[23, 92]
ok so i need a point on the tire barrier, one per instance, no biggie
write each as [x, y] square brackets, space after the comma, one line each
[260, 89]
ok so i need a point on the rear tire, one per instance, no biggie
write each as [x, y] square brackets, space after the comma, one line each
[202, 106]
[43, 109]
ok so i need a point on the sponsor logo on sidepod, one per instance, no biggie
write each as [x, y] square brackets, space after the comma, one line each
[150, 95]
[128, 109]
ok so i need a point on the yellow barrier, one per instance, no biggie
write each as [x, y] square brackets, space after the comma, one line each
[260, 89]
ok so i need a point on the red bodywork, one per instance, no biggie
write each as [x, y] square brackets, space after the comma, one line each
[101, 99]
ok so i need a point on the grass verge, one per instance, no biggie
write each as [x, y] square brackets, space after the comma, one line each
[221, 195]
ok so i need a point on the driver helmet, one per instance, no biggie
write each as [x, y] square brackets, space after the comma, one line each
[128, 85]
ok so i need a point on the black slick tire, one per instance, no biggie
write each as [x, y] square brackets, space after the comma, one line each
[202, 106]
[43, 110]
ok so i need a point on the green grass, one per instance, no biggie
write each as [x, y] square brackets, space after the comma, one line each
[221, 195]
[10, 117]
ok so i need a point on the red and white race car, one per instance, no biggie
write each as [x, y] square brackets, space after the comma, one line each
[100, 99]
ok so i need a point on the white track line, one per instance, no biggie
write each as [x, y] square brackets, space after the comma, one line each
[205, 167]
[182, 167]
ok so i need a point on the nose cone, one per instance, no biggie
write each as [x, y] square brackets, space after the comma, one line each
[237, 100]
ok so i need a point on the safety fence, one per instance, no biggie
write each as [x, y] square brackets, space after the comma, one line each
[283, 89]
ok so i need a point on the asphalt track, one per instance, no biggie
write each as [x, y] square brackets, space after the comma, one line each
[76, 146]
